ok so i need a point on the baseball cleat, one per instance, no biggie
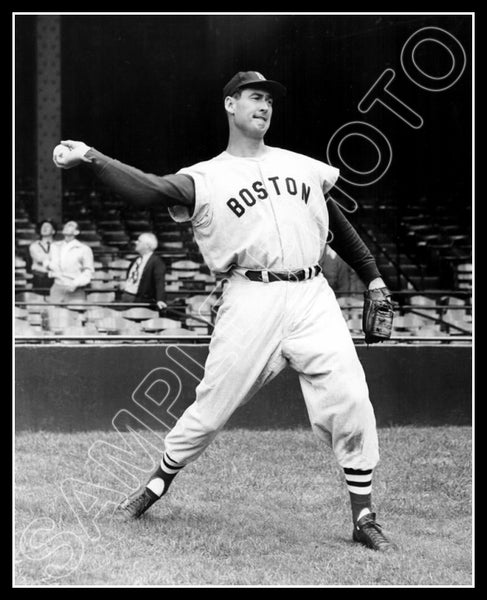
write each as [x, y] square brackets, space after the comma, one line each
[369, 533]
[137, 503]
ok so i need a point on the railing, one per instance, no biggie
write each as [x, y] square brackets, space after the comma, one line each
[196, 337]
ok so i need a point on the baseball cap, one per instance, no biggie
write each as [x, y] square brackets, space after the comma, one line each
[249, 78]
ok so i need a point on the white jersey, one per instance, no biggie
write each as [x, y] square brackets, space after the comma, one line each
[259, 213]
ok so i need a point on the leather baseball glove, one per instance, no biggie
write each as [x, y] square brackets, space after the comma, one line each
[378, 315]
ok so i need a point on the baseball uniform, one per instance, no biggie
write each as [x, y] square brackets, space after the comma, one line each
[269, 214]
[260, 215]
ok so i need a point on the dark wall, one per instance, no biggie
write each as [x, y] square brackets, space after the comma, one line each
[76, 388]
[147, 89]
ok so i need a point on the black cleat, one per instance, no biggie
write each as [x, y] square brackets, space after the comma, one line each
[137, 503]
[369, 533]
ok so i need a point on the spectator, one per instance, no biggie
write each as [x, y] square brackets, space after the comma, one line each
[71, 265]
[341, 278]
[40, 254]
[146, 274]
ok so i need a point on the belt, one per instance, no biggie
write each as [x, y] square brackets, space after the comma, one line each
[270, 276]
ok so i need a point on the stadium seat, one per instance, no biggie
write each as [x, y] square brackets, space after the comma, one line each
[100, 284]
[23, 329]
[139, 314]
[114, 325]
[100, 297]
[176, 331]
[101, 275]
[111, 225]
[429, 331]
[100, 312]
[20, 262]
[158, 324]
[25, 237]
[464, 276]
[21, 313]
[119, 264]
[91, 239]
[421, 301]
[413, 322]
[59, 318]
[355, 326]
[29, 297]
[76, 330]
[115, 238]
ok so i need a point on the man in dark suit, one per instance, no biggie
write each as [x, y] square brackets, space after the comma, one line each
[146, 274]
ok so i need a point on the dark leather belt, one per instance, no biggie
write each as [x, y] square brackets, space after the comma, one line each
[270, 276]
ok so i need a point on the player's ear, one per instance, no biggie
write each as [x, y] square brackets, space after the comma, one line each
[230, 105]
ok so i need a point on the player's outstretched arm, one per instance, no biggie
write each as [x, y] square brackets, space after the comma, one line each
[135, 186]
[68, 154]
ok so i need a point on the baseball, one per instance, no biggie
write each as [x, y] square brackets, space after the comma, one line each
[60, 151]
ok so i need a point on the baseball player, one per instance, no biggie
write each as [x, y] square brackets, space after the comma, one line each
[260, 215]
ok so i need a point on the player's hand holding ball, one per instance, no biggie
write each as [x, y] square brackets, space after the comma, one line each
[69, 154]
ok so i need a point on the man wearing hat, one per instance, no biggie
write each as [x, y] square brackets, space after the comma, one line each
[261, 217]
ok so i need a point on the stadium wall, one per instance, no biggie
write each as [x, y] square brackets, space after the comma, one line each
[66, 387]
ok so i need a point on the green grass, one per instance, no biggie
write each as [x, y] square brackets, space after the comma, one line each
[258, 508]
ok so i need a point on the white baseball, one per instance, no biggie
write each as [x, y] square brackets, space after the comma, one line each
[60, 152]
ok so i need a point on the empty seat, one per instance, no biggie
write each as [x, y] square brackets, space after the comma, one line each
[116, 325]
[101, 297]
[76, 330]
[453, 301]
[29, 297]
[112, 225]
[119, 264]
[412, 322]
[201, 304]
[22, 328]
[20, 262]
[176, 331]
[91, 239]
[463, 275]
[140, 314]
[421, 301]
[158, 324]
[355, 326]
[25, 237]
[102, 284]
[100, 312]
[115, 237]
[21, 313]
[187, 267]
[58, 319]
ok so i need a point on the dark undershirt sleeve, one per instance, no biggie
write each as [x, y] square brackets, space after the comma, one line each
[349, 246]
[139, 188]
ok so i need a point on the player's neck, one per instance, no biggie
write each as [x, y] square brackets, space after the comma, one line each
[246, 147]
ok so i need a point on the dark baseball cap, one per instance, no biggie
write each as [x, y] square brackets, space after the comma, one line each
[252, 78]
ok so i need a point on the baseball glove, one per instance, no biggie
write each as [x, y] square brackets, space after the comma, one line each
[377, 315]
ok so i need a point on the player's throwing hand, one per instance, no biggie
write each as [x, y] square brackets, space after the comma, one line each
[69, 154]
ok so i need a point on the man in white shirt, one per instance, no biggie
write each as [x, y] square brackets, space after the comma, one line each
[40, 255]
[146, 275]
[71, 265]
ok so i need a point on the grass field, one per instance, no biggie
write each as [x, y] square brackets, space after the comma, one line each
[259, 508]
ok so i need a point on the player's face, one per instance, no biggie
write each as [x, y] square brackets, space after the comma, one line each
[253, 112]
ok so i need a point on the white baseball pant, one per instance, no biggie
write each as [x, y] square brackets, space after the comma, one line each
[261, 328]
